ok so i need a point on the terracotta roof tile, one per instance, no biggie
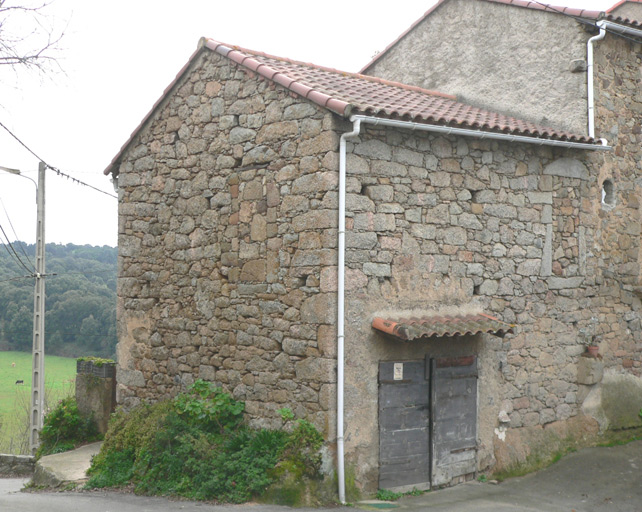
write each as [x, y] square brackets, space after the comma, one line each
[541, 6]
[624, 21]
[620, 4]
[414, 328]
[349, 94]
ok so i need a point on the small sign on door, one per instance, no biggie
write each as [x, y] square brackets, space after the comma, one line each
[398, 371]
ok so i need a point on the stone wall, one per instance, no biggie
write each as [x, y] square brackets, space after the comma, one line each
[618, 83]
[507, 59]
[17, 465]
[96, 392]
[223, 237]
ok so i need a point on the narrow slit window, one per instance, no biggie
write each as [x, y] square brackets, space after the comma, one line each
[608, 193]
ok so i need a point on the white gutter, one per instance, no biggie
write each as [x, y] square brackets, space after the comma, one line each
[616, 28]
[340, 306]
[478, 133]
[589, 74]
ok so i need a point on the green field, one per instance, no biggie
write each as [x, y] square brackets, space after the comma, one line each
[60, 375]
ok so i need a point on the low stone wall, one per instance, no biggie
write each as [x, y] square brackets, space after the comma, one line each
[17, 465]
[96, 392]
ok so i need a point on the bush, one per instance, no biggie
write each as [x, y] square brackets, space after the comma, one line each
[198, 446]
[64, 428]
[210, 407]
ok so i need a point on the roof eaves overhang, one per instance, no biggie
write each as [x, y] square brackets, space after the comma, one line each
[480, 134]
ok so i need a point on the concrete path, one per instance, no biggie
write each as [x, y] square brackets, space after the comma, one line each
[67, 467]
[591, 480]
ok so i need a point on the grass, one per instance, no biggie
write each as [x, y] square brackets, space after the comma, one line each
[620, 437]
[60, 375]
[387, 495]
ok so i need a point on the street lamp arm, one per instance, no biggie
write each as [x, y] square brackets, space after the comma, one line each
[17, 172]
[8, 169]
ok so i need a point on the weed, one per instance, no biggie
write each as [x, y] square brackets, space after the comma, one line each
[386, 495]
[482, 478]
[533, 463]
[286, 414]
[98, 361]
[210, 406]
[620, 437]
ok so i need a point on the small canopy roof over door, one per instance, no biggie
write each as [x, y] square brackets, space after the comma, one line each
[437, 325]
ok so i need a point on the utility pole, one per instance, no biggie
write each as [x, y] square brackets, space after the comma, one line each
[38, 353]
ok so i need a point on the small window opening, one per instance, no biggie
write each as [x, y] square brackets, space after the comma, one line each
[608, 193]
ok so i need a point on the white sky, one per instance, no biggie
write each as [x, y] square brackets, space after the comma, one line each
[119, 56]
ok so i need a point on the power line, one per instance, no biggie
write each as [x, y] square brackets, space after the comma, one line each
[55, 169]
[13, 252]
[16, 278]
[66, 334]
[20, 142]
[20, 244]
[58, 274]
[77, 181]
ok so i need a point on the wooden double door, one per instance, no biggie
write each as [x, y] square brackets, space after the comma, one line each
[427, 422]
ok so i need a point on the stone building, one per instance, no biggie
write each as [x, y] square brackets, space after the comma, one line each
[411, 273]
[520, 58]
[572, 69]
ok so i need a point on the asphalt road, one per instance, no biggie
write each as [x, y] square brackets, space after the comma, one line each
[591, 480]
[13, 500]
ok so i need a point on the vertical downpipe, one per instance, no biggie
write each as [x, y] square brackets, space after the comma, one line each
[589, 74]
[340, 306]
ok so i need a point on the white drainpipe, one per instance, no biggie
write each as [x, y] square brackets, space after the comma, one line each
[604, 26]
[340, 305]
[589, 74]
[357, 120]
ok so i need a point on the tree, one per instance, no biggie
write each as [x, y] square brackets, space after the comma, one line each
[28, 36]
[80, 300]
[21, 329]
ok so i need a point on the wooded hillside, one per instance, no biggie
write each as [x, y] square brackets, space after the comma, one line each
[81, 299]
